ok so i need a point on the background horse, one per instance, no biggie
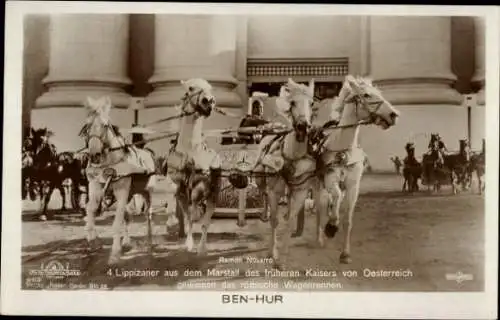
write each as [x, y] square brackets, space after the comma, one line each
[433, 167]
[340, 164]
[193, 167]
[412, 170]
[70, 168]
[477, 165]
[286, 165]
[126, 170]
[46, 172]
[27, 155]
[453, 169]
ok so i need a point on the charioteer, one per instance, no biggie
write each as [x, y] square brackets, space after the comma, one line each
[441, 147]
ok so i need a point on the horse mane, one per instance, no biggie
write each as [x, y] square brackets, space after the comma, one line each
[299, 88]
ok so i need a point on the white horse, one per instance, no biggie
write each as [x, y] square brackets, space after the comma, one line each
[341, 159]
[193, 167]
[127, 170]
[288, 164]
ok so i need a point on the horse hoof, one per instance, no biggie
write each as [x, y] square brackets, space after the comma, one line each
[43, 217]
[345, 258]
[241, 223]
[113, 260]
[320, 243]
[331, 230]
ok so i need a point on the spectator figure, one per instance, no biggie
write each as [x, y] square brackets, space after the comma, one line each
[397, 164]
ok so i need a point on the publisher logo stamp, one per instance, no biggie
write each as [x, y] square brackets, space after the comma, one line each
[459, 277]
[52, 274]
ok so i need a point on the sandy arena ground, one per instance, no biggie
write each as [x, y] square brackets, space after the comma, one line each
[433, 236]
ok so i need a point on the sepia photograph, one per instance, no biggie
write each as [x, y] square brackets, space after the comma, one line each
[251, 154]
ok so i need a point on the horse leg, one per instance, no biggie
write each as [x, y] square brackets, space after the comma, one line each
[62, 191]
[265, 214]
[480, 182]
[352, 194]
[454, 184]
[335, 196]
[180, 217]
[323, 203]
[95, 194]
[242, 193]
[75, 194]
[272, 199]
[121, 191]
[183, 205]
[261, 183]
[296, 198]
[205, 223]
[126, 241]
[300, 223]
[45, 200]
[149, 217]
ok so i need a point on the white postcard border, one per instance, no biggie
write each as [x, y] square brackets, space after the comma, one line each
[177, 303]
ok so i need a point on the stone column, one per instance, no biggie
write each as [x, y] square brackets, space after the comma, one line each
[479, 74]
[88, 57]
[194, 46]
[411, 59]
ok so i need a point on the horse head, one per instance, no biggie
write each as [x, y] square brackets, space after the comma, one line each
[41, 138]
[28, 142]
[370, 104]
[295, 104]
[434, 142]
[410, 147]
[27, 158]
[98, 130]
[198, 98]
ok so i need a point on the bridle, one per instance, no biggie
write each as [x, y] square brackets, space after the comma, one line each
[372, 107]
[188, 99]
[107, 128]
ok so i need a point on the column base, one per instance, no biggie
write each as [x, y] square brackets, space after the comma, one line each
[481, 98]
[168, 90]
[171, 94]
[66, 122]
[68, 95]
[419, 92]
